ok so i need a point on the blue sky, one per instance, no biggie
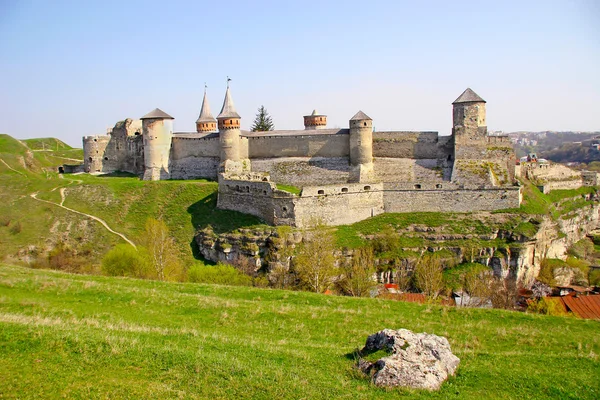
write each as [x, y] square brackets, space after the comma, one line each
[73, 68]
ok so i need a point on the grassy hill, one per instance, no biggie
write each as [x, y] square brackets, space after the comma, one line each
[79, 336]
[125, 203]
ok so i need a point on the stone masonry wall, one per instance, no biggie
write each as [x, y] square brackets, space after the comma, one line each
[415, 145]
[337, 145]
[302, 171]
[448, 198]
[349, 203]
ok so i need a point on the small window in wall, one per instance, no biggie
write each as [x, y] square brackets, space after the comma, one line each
[237, 187]
[95, 140]
[265, 192]
[321, 192]
[105, 158]
[365, 124]
[90, 159]
[247, 189]
[344, 190]
[284, 209]
[417, 186]
[367, 188]
[438, 186]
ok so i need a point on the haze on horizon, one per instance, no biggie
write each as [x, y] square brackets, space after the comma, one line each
[70, 69]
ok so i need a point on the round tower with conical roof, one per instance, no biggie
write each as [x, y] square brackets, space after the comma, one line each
[206, 122]
[229, 133]
[361, 139]
[361, 147]
[315, 121]
[157, 131]
[468, 116]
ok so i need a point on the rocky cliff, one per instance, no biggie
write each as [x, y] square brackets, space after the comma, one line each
[505, 246]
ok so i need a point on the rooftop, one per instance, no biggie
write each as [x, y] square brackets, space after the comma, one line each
[469, 96]
[157, 113]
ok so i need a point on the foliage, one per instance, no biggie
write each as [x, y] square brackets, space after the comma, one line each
[462, 276]
[263, 121]
[357, 275]
[162, 251]
[290, 189]
[546, 306]
[221, 274]
[16, 228]
[125, 260]
[314, 263]
[547, 267]
[428, 275]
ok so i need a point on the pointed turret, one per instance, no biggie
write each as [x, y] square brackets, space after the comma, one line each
[228, 117]
[206, 122]
[469, 96]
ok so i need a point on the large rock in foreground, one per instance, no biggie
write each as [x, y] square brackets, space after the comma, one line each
[416, 360]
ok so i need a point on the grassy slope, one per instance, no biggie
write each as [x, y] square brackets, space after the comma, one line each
[81, 336]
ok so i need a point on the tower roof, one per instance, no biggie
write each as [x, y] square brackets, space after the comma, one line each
[360, 116]
[157, 113]
[228, 110]
[315, 114]
[469, 96]
[205, 114]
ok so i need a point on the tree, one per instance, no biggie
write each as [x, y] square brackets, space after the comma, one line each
[125, 260]
[263, 121]
[429, 277]
[162, 250]
[357, 275]
[314, 263]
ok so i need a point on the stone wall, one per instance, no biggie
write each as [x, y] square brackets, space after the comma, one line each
[302, 171]
[349, 203]
[320, 145]
[338, 204]
[447, 197]
[415, 145]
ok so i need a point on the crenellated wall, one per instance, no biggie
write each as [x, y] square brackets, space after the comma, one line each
[346, 203]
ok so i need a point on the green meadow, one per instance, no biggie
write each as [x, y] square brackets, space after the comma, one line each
[78, 336]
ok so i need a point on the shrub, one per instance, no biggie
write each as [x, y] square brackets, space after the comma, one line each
[15, 228]
[545, 306]
[221, 274]
[125, 260]
[4, 220]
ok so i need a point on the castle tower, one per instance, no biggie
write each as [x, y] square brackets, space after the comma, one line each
[157, 131]
[205, 122]
[229, 135]
[315, 121]
[468, 116]
[361, 147]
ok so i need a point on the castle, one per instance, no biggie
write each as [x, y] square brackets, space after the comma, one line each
[344, 175]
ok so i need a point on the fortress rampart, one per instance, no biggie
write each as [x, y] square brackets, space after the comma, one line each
[345, 174]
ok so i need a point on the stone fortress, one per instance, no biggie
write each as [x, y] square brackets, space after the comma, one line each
[344, 175]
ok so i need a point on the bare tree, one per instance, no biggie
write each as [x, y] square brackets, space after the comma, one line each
[429, 277]
[162, 249]
[314, 263]
[357, 275]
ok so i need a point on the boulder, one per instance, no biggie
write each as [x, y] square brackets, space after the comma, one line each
[415, 360]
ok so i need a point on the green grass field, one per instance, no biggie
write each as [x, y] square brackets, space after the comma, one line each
[78, 336]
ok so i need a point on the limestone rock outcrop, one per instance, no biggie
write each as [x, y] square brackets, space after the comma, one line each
[416, 360]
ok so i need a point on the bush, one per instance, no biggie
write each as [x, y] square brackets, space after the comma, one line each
[15, 228]
[221, 274]
[5, 220]
[545, 306]
[125, 260]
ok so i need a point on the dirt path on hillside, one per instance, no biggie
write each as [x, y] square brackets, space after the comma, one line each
[62, 195]
[11, 168]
